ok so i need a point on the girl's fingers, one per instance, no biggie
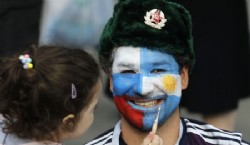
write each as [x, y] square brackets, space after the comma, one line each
[157, 140]
[148, 139]
[152, 139]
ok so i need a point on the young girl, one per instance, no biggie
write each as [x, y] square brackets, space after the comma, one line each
[47, 95]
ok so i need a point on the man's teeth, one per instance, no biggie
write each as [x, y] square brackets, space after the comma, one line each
[146, 103]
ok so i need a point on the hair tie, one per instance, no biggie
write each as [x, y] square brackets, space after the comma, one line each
[26, 61]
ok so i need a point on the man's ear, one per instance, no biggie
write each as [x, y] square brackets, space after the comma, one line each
[184, 77]
[110, 83]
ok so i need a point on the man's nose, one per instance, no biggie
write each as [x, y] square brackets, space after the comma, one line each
[143, 86]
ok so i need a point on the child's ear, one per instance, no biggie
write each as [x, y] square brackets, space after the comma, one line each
[69, 122]
[68, 118]
[184, 77]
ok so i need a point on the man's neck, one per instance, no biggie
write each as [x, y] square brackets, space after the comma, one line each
[169, 131]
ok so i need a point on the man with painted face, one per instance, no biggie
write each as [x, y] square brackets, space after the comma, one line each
[146, 50]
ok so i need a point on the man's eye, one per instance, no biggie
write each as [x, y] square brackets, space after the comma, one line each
[128, 72]
[158, 71]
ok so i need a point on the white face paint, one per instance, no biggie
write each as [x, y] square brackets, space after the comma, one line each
[143, 80]
[130, 55]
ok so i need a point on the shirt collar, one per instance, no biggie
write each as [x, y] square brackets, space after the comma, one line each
[117, 132]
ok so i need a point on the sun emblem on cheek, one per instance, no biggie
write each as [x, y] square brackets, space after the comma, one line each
[169, 83]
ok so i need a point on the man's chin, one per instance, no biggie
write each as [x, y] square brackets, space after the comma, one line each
[140, 129]
[135, 126]
[144, 128]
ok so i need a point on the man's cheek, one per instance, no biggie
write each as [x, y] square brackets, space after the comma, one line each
[122, 84]
[128, 112]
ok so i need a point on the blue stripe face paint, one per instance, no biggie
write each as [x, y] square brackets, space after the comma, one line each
[143, 80]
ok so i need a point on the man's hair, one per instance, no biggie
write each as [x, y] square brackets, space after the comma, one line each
[127, 28]
[35, 101]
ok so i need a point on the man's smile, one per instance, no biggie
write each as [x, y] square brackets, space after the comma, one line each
[145, 103]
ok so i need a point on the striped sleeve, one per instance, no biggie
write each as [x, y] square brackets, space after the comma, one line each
[213, 135]
[245, 143]
[103, 139]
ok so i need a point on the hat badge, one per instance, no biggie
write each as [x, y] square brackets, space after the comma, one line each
[155, 18]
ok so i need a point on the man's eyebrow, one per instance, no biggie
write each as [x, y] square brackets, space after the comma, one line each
[160, 63]
[126, 65]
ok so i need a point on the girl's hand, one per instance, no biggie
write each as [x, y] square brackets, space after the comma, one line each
[152, 139]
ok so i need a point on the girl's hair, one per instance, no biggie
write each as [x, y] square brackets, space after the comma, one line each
[35, 101]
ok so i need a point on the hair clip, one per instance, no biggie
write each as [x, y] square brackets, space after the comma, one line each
[26, 61]
[73, 91]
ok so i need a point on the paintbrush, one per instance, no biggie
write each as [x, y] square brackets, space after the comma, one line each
[155, 125]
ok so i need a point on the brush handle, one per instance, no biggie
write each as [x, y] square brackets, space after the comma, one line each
[154, 128]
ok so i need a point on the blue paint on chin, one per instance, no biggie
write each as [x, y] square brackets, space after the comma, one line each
[167, 109]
